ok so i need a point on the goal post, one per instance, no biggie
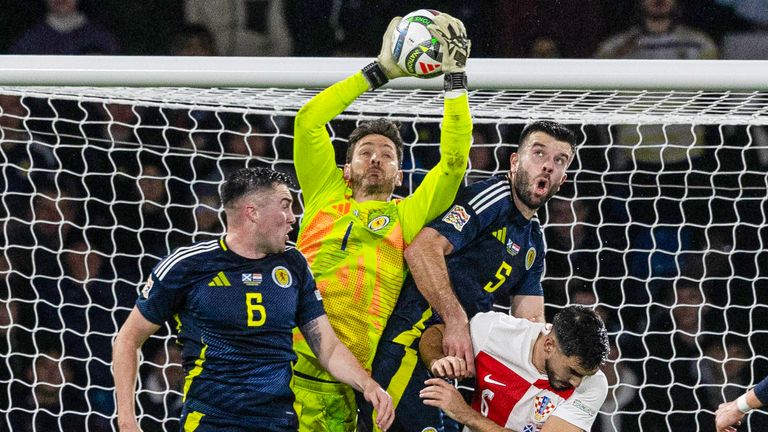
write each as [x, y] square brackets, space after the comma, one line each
[109, 163]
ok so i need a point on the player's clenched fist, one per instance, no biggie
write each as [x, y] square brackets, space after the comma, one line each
[450, 367]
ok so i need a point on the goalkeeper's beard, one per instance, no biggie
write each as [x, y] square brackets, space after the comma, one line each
[384, 187]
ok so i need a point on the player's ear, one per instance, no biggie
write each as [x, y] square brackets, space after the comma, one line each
[347, 172]
[252, 213]
[549, 345]
[399, 179]
[565, 177]
[514, 158]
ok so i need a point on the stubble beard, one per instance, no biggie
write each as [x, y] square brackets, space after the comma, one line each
[358, 183]
[550, 377]
[524, 191]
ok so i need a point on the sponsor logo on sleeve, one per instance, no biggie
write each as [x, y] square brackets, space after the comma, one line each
[318, 296]
[458, 217]
[282, 277]
[581, 406]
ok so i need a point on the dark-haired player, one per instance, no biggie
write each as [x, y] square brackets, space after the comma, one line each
[486, 247]
[530, 376]
[353, 233]
[235, 302]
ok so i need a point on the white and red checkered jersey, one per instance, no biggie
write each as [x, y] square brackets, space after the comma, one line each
[511, 392]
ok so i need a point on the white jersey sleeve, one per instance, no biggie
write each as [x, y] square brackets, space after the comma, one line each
[582, 407]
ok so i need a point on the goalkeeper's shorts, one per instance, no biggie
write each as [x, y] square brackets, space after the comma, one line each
[324, 406]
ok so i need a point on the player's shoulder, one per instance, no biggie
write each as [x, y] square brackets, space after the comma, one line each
[187, 257]
[294, 260]
[596, 384]
[503, 322]
[536, 227]
[293, 255]
[492, 192]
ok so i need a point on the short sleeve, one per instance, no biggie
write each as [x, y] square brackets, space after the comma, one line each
[310, 302]
[480, 327]
[160, 300]
[582, 407]
[531, 283]
[471, 212]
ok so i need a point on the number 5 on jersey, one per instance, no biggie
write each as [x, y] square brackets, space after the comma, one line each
[501, 276]
[257, 314]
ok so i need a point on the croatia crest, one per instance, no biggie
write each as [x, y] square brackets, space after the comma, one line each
[542, 407]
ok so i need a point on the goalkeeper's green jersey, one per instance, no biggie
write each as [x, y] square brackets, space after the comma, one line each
[355, 249]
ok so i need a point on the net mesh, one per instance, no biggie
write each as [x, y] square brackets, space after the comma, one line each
[661, 225]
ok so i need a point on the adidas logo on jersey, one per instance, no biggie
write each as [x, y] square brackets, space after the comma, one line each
[500, 234]
[219, 280]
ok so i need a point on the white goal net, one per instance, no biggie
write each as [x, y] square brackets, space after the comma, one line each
[662, 225]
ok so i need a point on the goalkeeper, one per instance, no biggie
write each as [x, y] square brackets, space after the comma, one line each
[353, 233]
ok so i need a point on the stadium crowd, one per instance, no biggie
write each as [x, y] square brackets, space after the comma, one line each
[524, 28]
[139, 202]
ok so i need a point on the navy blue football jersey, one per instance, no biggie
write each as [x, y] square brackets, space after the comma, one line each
[497, 253]
[234, 318]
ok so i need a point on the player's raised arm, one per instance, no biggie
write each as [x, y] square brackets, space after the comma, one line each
[336, 358]
[439, 187]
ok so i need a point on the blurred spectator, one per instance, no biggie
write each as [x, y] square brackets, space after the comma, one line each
[194, 40]
[142, 27]
[544, 47]
[659, 36]
[161, 397]
[208, 219]
[482, 156]
[516, 25]
[11, 338]
[623, 384]
[65, 30]
[571, 239]
[726, 372]
[243, 27]
[668, 352]
[51, 401]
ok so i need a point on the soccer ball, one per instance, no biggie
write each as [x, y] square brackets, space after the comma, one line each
[414, 48]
